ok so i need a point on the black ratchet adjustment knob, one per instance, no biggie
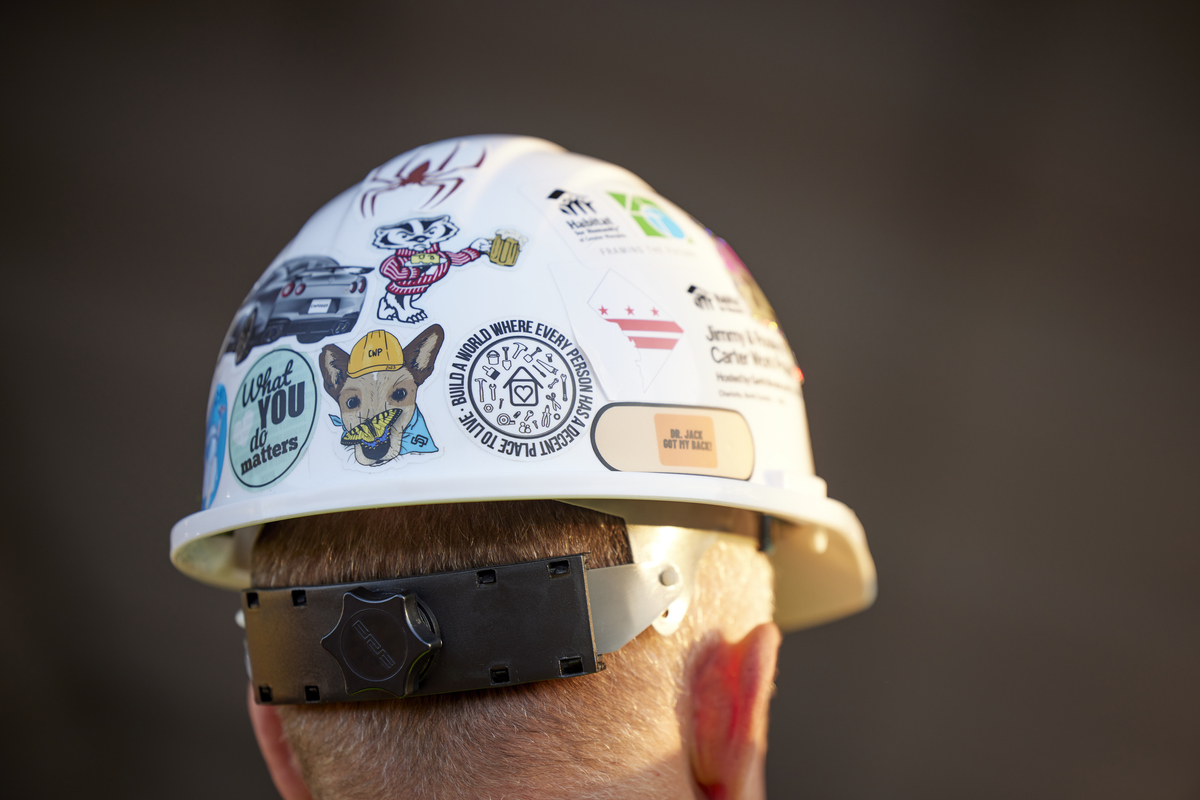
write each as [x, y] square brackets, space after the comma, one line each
[383, 641]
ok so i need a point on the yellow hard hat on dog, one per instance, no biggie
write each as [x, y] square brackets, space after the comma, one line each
[376, 352]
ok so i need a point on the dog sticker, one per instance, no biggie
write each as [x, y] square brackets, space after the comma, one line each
[375, 387]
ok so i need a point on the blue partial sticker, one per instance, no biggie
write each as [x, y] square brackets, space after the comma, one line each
[214, 446]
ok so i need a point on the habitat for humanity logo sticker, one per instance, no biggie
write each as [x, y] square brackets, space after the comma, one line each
[214, 446]
[652, 334]
[273, 416]
[581, 219]
[649, 216]
[521, 388]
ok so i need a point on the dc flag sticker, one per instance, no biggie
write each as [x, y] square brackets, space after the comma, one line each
[272, 418]
[648, 326]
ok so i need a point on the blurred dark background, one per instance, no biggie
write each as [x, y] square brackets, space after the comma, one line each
[978, 223]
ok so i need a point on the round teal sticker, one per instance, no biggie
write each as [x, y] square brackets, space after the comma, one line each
[272, 418]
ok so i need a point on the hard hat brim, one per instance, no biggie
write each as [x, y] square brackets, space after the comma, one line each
[824, 570]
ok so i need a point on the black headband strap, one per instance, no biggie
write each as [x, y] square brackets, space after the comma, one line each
[428, 634]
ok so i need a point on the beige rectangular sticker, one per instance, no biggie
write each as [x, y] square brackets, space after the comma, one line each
[646, 437]
[685, 440]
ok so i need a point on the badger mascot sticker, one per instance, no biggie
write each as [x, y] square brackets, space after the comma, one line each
[418, 260]
[375, 386]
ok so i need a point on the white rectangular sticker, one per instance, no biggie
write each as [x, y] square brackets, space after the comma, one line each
[647, 437]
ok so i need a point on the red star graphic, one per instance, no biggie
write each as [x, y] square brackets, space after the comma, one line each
[629, 311]
[603, 310]
[654, 311]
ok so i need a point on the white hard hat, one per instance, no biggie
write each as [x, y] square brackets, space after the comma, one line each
[495, 318]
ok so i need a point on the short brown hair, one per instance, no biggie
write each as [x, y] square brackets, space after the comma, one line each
[567, 734]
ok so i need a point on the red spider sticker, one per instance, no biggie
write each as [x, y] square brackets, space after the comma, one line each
[419, 170]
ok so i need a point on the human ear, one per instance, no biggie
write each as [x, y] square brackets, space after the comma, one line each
[730, 685]
[281, 761]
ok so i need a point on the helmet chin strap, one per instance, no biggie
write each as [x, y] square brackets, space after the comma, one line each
[469, 629]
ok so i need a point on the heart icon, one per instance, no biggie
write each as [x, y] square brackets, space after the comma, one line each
[522, 392]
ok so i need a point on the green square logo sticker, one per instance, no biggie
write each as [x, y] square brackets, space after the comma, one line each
[649, 216]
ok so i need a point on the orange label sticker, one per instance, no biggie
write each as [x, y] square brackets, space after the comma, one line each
[685, 440]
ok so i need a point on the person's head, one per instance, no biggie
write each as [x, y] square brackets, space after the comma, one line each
[670, 716]
[514, 514]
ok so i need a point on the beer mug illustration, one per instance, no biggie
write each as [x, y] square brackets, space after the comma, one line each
[506, 246]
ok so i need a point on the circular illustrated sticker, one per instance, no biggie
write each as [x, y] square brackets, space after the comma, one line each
[272, 418]
[521, 388]
[214, 446]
